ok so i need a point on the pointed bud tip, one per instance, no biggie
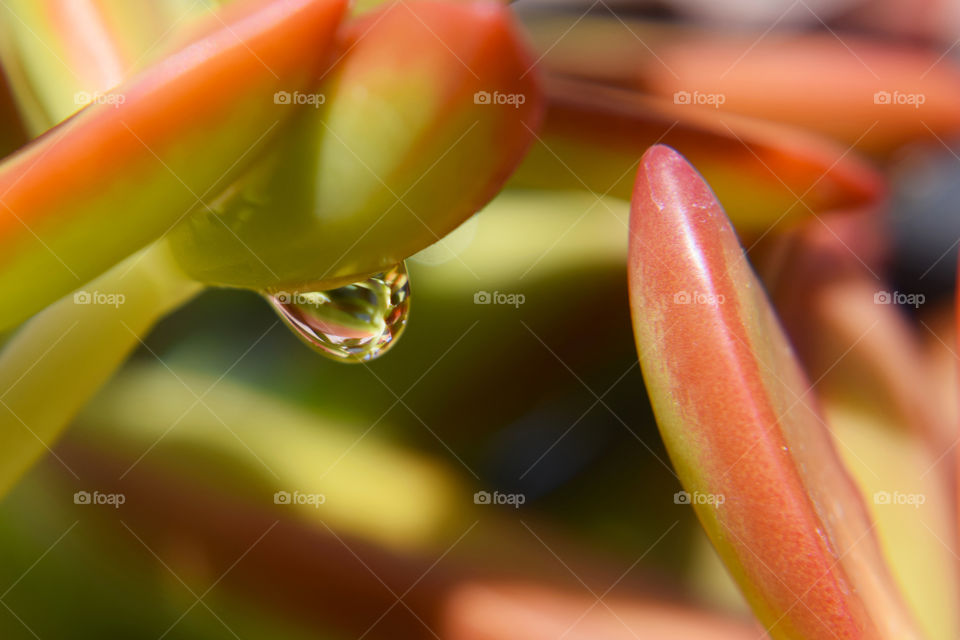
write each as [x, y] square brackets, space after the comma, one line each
[670, 195]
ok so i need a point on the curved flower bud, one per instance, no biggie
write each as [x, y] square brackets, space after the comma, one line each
[735, 412]
[766, 173]
[428, 111]
[117, 175]
[872, 94]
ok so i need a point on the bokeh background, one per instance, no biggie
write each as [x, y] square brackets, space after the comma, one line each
[535, 397]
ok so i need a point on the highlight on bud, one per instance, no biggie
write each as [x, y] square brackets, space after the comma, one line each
[735, 412]
[429, 109]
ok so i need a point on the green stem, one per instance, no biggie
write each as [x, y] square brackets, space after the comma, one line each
[61, 357]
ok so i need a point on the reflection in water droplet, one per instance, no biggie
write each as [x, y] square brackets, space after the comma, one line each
[355, 323]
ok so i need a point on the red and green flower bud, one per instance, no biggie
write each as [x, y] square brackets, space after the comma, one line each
[736, 414]
[428, 111]
[124, 170]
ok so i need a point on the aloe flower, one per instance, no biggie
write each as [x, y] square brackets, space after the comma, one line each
[217, 162]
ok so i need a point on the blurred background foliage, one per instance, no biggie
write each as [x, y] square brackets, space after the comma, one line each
[397, 446]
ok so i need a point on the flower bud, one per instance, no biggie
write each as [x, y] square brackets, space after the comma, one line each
[429, 109]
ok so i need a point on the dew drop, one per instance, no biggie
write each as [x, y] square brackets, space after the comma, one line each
[355, 323]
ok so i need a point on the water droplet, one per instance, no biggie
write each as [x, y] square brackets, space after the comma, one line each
[355, 323]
